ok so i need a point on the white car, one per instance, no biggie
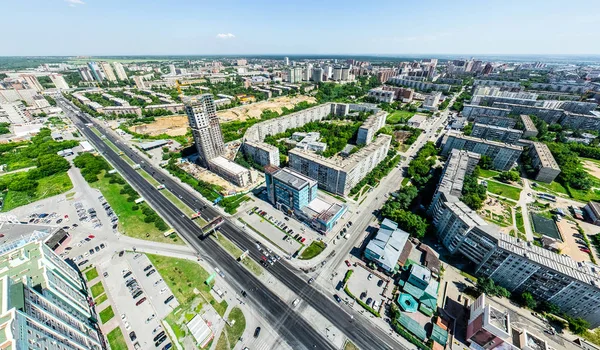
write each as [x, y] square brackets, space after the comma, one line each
[163, 290]
[123, 317]
[127, 325]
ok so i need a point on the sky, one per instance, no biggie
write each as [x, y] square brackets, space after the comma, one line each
[199, 27]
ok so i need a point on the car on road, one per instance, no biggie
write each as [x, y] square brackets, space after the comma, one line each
[121, 253]
[296, 302]
[139, 302]
[347, 263]
[256, 332]
[311, 280]
[158, 336]
[150, 272]
[147, 268]
[169, 299]
[370, 276]
[82, 262]
[337, 298]
[132, 336]
[105, 274]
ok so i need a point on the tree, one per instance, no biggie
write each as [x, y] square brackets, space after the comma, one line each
[528, 300]
[509, 176]
[485, 162]
[486, 285]
[578, 325]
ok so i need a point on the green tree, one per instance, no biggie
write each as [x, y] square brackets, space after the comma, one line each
[528, 300]
[485, 162]
[578, 325]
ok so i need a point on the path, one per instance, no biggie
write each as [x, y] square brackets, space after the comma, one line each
[527, 196]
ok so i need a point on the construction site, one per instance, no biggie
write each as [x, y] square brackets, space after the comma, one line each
[254, 110]
[176, 125]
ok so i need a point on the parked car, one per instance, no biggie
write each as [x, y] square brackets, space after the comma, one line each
[347, 263]
[147, 268]
[160, 340]
[168, 346]
[158, 336]
[256, 332]
[337, 298]
[150, 272]
[127, 274]
[139, 302]
[169, 299]
[137, 294]
[132, 336]
[82, 262]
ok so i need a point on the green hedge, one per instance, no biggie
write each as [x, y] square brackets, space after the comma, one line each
[361, 303]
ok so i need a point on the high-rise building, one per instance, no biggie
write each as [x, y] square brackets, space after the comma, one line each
[59, 81]
[294, 75]
[317, 74]
[337, 73]
[487, 69]
[307, 73]
[86, 74]
[45, 303]
[121, 74]
[96, 72]
[172, 70]
[33, 82]
[108, 71]
[286, 61]
[202, 116]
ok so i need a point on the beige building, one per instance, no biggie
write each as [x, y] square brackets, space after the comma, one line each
[543, 161]
[120, 71]
[59, 81]
[32, 82]
[108, 71]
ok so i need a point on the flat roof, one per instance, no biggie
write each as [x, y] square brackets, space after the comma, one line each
[228, 165]
[152, 144]
[294, 179]
[528, 123]
[455, 171]
[462, 136]
[498, 128]
[545, 156]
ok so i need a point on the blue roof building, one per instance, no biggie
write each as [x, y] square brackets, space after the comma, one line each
[385, 249]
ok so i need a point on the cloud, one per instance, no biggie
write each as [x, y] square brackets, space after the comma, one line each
[219, 36]
[74, 3]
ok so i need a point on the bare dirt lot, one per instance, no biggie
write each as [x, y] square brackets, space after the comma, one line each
[593, 168]
[174, 126]
[255, 109]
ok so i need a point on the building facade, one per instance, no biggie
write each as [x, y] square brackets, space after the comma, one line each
[471, 111]
[503, 155]
[529, 127]
[543, 162]
[202, 117]
[370, 127]
[496, 133]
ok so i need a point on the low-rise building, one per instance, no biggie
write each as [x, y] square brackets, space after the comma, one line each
[385, 248]
[120, 110]
[232, 172]
[500, 83]
[503, 155]
[417, 121]
[543, 162]
[417, 84]
[529, 127]
[496, 133]
[381, 95]
[171, 107]
[432, 101]
[13, 113]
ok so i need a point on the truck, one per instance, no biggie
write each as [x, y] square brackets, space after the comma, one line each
[137, 166]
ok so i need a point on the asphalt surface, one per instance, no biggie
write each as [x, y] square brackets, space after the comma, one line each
[291, 326]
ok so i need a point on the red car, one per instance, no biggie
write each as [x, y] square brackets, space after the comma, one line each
[347, 263]
[91, 236]
[139, 302]
[585, 250]
[303, 239]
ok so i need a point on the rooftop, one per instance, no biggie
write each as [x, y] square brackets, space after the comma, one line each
[455, 171]
[294, 179]
[461, 136]
[228, 165]
[545, 156]
[528, 123]
[388, 244]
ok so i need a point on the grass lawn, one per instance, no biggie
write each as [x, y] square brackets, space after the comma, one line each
[179, 204]
[314, 249]
[116, 340]
[585, 195]
[131, 222]
[107, 314]
[399, 117]
[102, 298]
[235, 251]
[91, 274]
[97, 289]
[234, 333]
[183, 276]
[486, 174]
[504, 190]
[519, 218]
[222, 343]
[551, 187]
[47, 187]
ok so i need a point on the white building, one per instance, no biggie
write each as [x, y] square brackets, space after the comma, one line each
[432, 101]
[59, 81]
[32, 82]
[121, 74]
[108, 71]
[139, 82]
[14, 113]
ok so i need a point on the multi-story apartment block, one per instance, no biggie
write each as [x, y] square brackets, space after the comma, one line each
[139, 82]
[262, 153]
[340, 176]
[370, 127]
[529, 127]
[481, 91]
[549, 115]
[500, 83]
[432, 101]
[381, 95]
[45, 302]
[418, 85]
[96, 71]
[108, 71]
[32, 82]
[401, 94]
[580, 121]
[496, 133]
[202, 116]
[294, 75]
[471, 111]
[562, 87]
[232, 171]
[86, 74]
[503, 122]
[59, 81]
[317, 74]
[120, 71]
[503, 155]
[543, 161]
[13, 113]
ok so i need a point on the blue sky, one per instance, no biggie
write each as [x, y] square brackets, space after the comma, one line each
[179, 27]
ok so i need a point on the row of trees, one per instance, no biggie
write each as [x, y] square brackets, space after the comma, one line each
[380, 171]
[572, 172]
[473, 193]
[91, 166]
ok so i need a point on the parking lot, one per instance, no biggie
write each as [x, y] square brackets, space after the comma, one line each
[366, 286]
[143, 319]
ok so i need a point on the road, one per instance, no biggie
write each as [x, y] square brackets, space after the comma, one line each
[292, 327]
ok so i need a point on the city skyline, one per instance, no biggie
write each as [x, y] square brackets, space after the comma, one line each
[135, 28]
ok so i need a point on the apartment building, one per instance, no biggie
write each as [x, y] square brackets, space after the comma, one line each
[232, 172]
[482, 91]
[317, 74]
[418, 85]
[32, 82]
[118, 110]
[562, 87]
[340, 175]
[401, 94]
[503, 122]
[549, 115]
[543, 162]
[529, 127]
[262, 153]
[120, 71]
[96, 71]
[108, 71]
[171, 107]
[59, 81]
[432, 101]
[503, 155]
[45, 301]
[86, 74]
[139, 82]
[499, 83]
[381, 95]
[496, 133]
[202, 117]
[471, 111]
[370, 127]
[580, 121]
